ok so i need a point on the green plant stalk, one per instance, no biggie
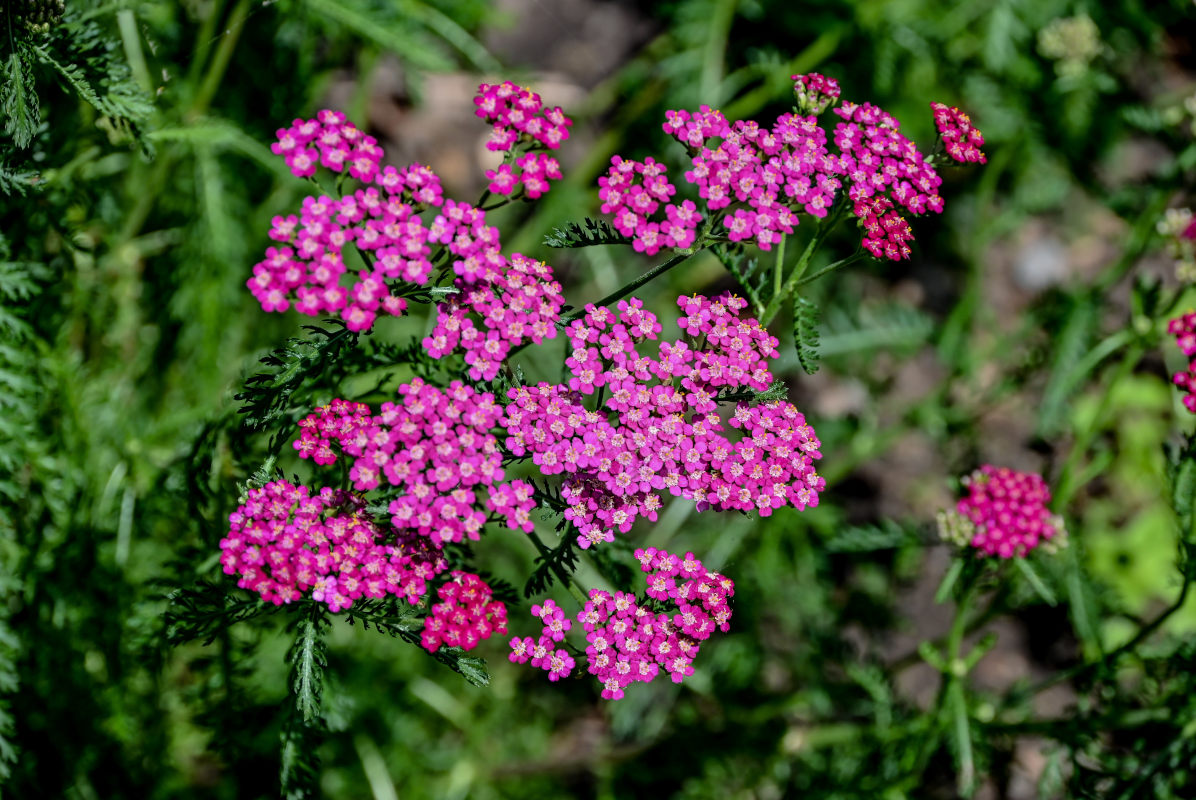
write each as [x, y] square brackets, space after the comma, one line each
[779, 267]
[1067, 485]
[781, 294]
[954, 673]
[220, 61]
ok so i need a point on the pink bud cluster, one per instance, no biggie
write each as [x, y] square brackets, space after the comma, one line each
[518, 112]
[627, 641]
[961, 139]
[543, 652]
[658, 428]
[1008, 510]
[637, 195]
[886, 233]
[466, 615]
[534, 172]
[1183, 328]
[500, 305]
[284, 542]
[815, 93]
[329, 141]
[437, 447]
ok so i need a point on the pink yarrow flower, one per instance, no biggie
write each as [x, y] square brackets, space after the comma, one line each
[1004, 513]
[961, 140]
[466, 615]
[659, 430]
[286, 543]
[628, 642]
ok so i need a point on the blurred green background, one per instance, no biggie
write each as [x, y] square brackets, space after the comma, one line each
[129, 224]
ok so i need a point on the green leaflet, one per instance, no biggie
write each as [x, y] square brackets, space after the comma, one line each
[587, 233]
[805, 334]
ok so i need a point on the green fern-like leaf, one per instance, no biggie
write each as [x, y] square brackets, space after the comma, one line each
[805, 334]
[17, 181]
[888, 535]
[18, 97]
[890, 327]
[308, 658]
[267, 395]
[588, 233]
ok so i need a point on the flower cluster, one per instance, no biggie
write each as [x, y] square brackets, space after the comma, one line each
[516, 113]
[1005, 514]
[658, 427]
[284, 542]
[543, 652]
[306, 269]
[436, 446]
[755, 180]
[500, 305]
[962, 140]
[815, 93]
[880, 164]
[465, 615]
[628, 642]
[331, 142]
[637, 196]
[1183, 328]
[534, 172]
[768, 170]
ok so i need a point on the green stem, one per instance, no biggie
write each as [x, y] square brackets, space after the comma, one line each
[627, 289]
[774, 304]
[843, 262]
[1111, 658]
[1068, 484]
[778, 268]
[224, 54]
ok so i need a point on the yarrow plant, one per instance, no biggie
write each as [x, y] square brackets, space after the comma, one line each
[466, 444]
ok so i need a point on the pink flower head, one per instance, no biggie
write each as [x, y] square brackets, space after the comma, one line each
[1005, 513]
[1183, 328]
[466, 615]
[519, 114]
[286, 543]
[659, 431]
[331, 141]
[961, 139]
[627, 642]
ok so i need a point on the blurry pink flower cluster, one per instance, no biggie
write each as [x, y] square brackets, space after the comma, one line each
[1183, 328]
[628, 642]
[659, 427]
